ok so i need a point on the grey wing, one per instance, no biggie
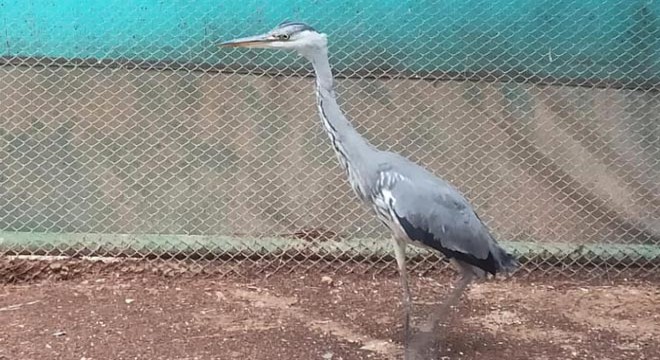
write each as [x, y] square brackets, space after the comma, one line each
[435, 214]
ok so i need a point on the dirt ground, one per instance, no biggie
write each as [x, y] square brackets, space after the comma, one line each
[119, 315]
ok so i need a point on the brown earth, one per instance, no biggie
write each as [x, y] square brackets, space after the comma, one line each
[104, 314]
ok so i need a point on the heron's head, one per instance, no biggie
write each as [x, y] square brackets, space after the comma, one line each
[296, 36]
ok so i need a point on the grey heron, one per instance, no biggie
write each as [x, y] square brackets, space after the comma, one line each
[418, 207]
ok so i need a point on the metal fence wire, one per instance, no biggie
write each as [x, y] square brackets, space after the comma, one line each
[125, 132]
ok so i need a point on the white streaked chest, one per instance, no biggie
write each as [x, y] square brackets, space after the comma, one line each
[384, 202]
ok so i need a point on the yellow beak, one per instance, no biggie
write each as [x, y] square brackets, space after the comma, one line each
[258, 41]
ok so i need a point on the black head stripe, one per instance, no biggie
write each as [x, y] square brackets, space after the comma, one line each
[298, 26]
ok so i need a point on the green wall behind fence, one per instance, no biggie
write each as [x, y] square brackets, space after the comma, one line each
[616, 40]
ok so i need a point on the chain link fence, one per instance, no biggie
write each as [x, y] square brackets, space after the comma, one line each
[125, 132]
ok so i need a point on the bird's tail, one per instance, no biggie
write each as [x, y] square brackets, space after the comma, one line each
[506, 263]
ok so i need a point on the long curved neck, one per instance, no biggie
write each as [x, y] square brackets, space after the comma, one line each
[352, 150]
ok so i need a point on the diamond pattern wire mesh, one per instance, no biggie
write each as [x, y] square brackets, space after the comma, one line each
[221, 156]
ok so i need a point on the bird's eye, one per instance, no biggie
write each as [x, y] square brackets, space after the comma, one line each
[283, 37]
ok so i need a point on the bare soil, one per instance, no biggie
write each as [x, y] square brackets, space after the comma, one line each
[127, 315]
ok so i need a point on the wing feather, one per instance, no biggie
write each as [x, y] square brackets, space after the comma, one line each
[437, 215]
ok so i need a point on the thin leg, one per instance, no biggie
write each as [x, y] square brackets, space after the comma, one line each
[423, 346]
[400, 253]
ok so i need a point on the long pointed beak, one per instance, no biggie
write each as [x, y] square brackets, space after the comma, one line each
[258, 41]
